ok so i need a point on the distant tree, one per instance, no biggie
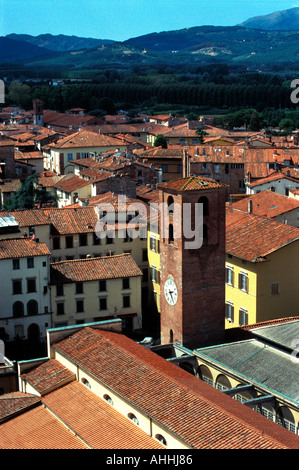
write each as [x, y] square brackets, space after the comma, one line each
[201, 134]
[29, 195]
[256, 122]
[20, 95]
[160, 141]
[286, 124]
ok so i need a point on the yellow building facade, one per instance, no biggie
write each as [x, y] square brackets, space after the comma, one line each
[264, 287]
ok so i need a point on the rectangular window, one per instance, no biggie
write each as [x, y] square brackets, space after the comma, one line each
[128, 238]
[126, 301]
[59, 290]
[126, 283]
[79, 288]
[102, 286]
[30, 263]
[83, 239]
[31, 285]
[103, 303]
[153, 244]
[15, 264]
[17, 287]
[229, 276]
[69, 157]
[56, 243]
[243, 282]
[275, 288]
[155, 274]
[109, 240]
[80, 306]
[243, 317]
[69, 242]
[96, 239]
[164, 168]
[19, 331]
[60, 308]
[229, 312]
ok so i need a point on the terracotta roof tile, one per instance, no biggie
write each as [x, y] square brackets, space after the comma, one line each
[28, 217]
[48, 376]
[91, 269]
[253, 237]
[72, 220]
[267, 203]
[272, 177]
[38, 429]
[83, 139]
[16, 402]
[96, 421]
[22, 248]
[191, 183]
[70, 183]
[202, 416]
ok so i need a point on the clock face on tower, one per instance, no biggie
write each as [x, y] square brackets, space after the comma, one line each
[170, 291]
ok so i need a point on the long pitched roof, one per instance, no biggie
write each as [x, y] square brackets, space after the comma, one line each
[267, 203]
[22, 248]
[84, 139]
[200, 415]
[91, 269]
[253, 237]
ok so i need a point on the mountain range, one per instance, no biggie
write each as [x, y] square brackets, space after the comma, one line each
[270, 39]
[285, 20]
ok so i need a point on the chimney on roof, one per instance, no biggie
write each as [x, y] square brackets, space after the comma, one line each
[186, 164]
[250, 206]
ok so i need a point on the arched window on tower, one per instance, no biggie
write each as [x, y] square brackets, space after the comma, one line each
[170, 234]
[170, 205]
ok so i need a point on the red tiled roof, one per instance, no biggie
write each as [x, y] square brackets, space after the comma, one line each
[200, 415]
[83, 139]
[192, 183]
[38, 429]
[91, 269]
[66, 220]
[96, 421]
[28, 217]
[10, 186]
[47, 376]
[15, 402]
[253, 237]
[21, 248]
[70, 183]
[272, 177]
[267, 203]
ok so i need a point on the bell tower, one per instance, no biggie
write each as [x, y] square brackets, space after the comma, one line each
[38, 113]
[192, 261]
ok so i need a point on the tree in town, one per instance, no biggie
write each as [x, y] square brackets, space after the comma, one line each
[160, 141]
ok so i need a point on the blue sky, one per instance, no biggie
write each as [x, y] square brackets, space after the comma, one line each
[124, 19]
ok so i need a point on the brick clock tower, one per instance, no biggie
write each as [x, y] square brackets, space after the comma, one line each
[192, 278]
[38, 113]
